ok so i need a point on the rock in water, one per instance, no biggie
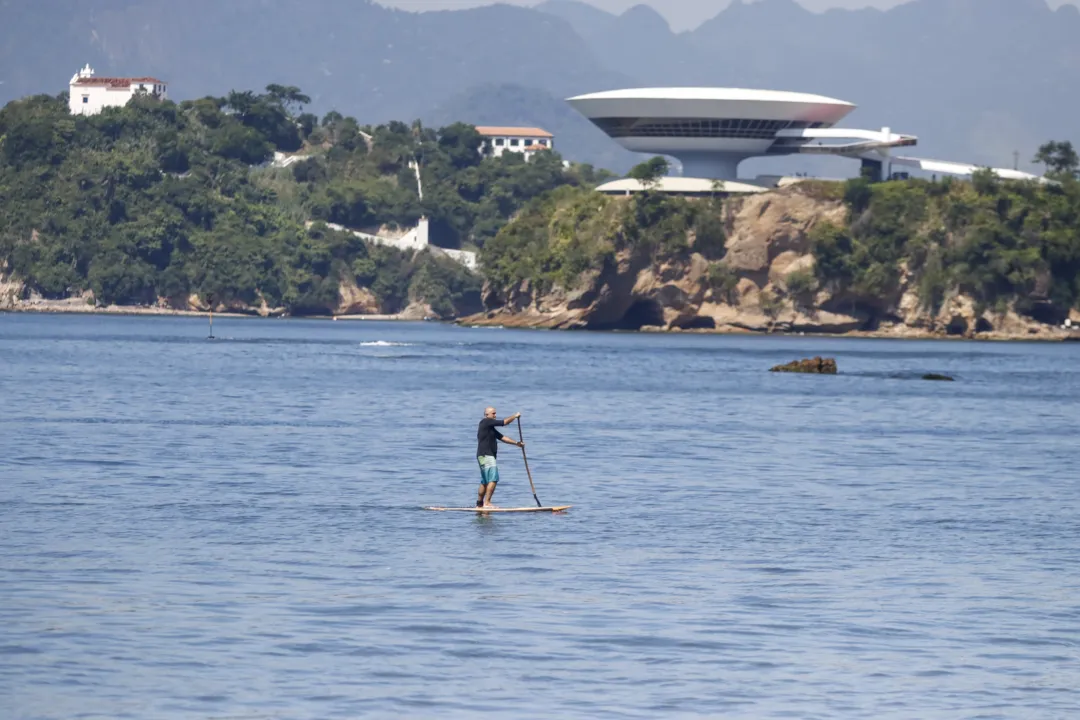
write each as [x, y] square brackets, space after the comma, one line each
[816, 365]
[935, 376]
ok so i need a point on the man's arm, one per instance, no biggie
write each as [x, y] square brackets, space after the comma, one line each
[510, 441]
[511, 419]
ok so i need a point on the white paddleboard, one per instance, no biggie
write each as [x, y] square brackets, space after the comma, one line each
[557, 508]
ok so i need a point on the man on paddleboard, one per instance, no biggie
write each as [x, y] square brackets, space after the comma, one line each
[487, 438]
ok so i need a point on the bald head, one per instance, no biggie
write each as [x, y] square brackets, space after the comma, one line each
[489, 412]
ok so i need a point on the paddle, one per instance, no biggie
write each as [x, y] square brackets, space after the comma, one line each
[521, 438]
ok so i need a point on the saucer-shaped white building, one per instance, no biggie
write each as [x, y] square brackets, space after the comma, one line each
[711, 130]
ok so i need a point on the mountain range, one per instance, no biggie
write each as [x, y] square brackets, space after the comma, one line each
[976, 80]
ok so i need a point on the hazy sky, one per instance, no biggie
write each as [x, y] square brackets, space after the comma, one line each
[682, 14]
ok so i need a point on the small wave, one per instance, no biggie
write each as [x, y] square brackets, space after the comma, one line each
[384, 343]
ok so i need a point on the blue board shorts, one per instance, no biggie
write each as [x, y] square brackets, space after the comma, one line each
[489, 471]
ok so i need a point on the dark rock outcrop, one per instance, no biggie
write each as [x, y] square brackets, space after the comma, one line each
[815, 365]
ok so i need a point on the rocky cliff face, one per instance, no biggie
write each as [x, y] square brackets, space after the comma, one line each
[767, 245]
[10, 289]
[15, 296]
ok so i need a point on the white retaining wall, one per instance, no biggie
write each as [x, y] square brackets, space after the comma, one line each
[415, 240]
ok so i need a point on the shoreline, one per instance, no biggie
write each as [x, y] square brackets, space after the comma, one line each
[63, 308]
[1048, 335]
[142, 310]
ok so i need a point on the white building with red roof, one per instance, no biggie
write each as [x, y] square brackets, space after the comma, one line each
[524, 140]
[90, 94]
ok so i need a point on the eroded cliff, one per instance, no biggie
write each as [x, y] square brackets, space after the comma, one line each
[763, 279]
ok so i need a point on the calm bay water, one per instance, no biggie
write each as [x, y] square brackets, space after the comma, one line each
[232, 528]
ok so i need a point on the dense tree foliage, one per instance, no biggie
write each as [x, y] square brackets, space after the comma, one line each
[467, 197]
[160, 200]
[1001, 242]
[572, 231]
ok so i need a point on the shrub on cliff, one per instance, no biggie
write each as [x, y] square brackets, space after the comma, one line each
[555, 239]
[658, 223]
[710, 237]
[723, 280]
[445, 285]
[801, 286]
[573, 230]
[770, 304]
[1002, 242]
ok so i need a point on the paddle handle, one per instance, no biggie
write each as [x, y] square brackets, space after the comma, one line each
[521, 438]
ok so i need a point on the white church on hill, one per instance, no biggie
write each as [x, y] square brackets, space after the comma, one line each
[90, 94]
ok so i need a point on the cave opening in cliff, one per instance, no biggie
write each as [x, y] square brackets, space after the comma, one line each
[699, 322]
[956, 326]
[638, 315]
[983, 325]
[1047, 313]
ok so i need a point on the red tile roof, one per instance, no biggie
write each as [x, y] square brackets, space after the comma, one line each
[500, 131]
[118, 82]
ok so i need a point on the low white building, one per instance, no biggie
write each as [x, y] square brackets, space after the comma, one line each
[525, 140]
[90, 94]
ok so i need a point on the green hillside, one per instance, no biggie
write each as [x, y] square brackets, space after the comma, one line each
[162, 200]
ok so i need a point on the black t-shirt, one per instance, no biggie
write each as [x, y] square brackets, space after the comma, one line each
[487, 437]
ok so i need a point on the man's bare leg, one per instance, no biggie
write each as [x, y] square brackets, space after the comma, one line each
[480, 494]
[489, 493]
